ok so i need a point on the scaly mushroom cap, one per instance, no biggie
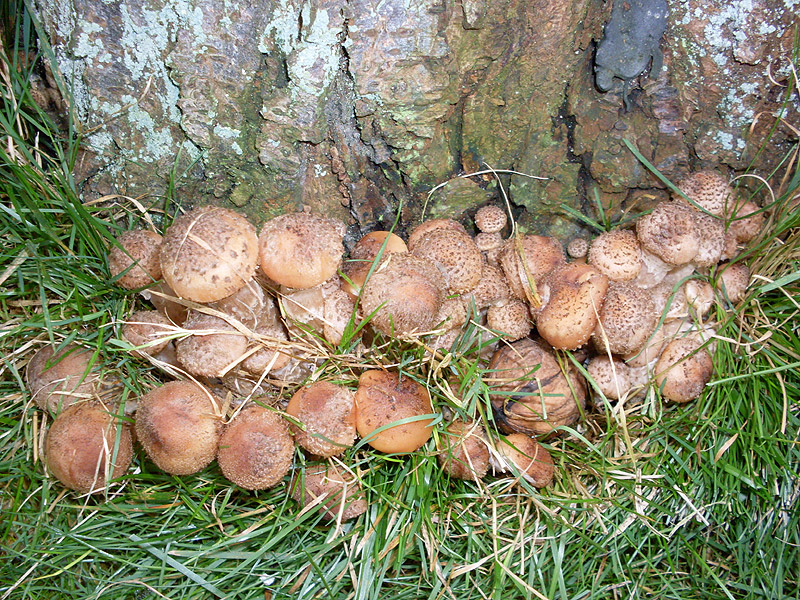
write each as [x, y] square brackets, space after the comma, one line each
[178, 428]
[707, 189]
[382, 398]
[491, 289]
[530, 458]
[683, 370]
[56, 381]
[403, 295]
[452, 314]
[462, 451]
[572, 296]
[526, 259]
[255, 449]
[489, 242]
[733, 281]
[428, 226]
[490, 219]
[300, 250]
[711, 239]
[209, 253]
[669, 232]
[578, 248]
[357, 267]
[80, 447]
[456, 256]
[611, 376]
[627, 319]
[747, 222]
[268, 358]
[338, 492]
[511, 319]
[328, 415]
[528, 390]
[215, 349]
[139, 252]
[616, 254]
[148, 331]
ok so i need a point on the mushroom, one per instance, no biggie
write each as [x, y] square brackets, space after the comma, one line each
[683, 370]
[301, 250]
[627, 319]
[135, 261]
[732, 281]
[669, 232]
[213, 348]
[179, 427]
[87, 446]
[699, 297]
[491, 289]
[455, 254]
[707, 190]
[255, 449]
[510, 319]
[326, 416]
[382, 399]
[616, 254]
[711, 239]
[578, 248]
[611, 377]
[148, 331]
[462, 451]
[488, 242]
[521, 453]
[337, 492]
[490, 219]
[430, 225]
[746, 221]
[209, 253]
[653, 271]
[526, 259]
[366, 250]
[58, 377]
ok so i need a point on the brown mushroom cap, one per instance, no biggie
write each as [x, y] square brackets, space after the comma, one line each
[511, 319]
[578, 248]
[611, 376]
[491, 289]
[456, 256]
[357, 267]
[209, 253]
[57, 380]
[80, 446]
[137, 254]
[403, 295]
[489, 242]
[255, 448]
[214, 349]
[711, 239]
[178, 427]
[747, 222]
[148, 331]
[382, 398]
[490, 219]
[530, 458]
[733, 281]
[337, 492]
[452, 314]
[669, 232]
[428, 226]
[707, 189]
[300, 250]
[683, 370]
[526, 259]
[616, 254]
[463, 452]
[164, 300]
[627, 319]
[328, 415]
[528, 390]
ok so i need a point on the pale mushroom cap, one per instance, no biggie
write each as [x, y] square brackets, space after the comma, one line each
[249, 305]
[699, 297]
[362, 256]
[708, 189]
[80, 447]
[616, 254]
[456, 256]
[711, 239]
[452, 314]
[669, 232]
[209, 253]
[578, 248]
[214, 349]
[382, 398]
[255, 449]
[463, 452]
[300, 250]
[733, 280]
[488, 242]
[491, 289]
[627, 319]
[338, 492]
[57, 380]
[653, 271]
[428, 226]
[177, 425]
[511, 319]
[490, 219]
[612, 377]
[139, 253]
[529, 256]
[328, 414]
[533, 462]
[147, 330]
[683, 370]
[747, 222]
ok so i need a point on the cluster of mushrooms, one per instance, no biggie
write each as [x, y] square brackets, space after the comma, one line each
[229, 304]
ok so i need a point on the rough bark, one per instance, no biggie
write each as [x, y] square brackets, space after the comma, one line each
[352, 107]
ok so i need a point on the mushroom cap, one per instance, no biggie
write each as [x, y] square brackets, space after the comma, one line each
[149, 331]
[711, 239]
[456, 256]
[58, 379]
[214, 349]
[463, 452]
[338, 492]
[699, 297]
[80, 447]
[403, 295]
[138, 253]
[268, 358]
[733, 280]
[382, 398]
[669, 232]
[651, 349]
[707, 189]
[683, 370]
[616, 254]
[255, 449]
[488, 242]
[452, 314]
[178, 428]
[511, 319]
[653, 271]
[627, 319]
[746, 221]
[491, 289]
[300, 250]
[357, 267]
[529, 257]
[572, 296]
[578, 248]
[490, 219]
[161, 297]
[428, 226]
[209, 253]
[530, 458]
[249, 305]
[328, 414]
[611, 376]
[528, 390]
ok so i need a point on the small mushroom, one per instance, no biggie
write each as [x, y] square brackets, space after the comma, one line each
[455, 255]
[510, 319]
[578, 248]
[683, 370]
[611, 376]
[669, 232]
[627, 319]
[337, 492]
[491, 289]
[746, 221]
[57, 378]
[366, 250]
[490, 219]
[528, 457]
[327, 414]
[708, 190]
[430, 225]
[616, 254]
[255, 449]
[711, 239]
[135, 261]
[525, 260]
[463, 452]
[382, 399]
[213, 348]
[732, 281]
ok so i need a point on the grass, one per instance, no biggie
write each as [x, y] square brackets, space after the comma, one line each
[696, 501]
